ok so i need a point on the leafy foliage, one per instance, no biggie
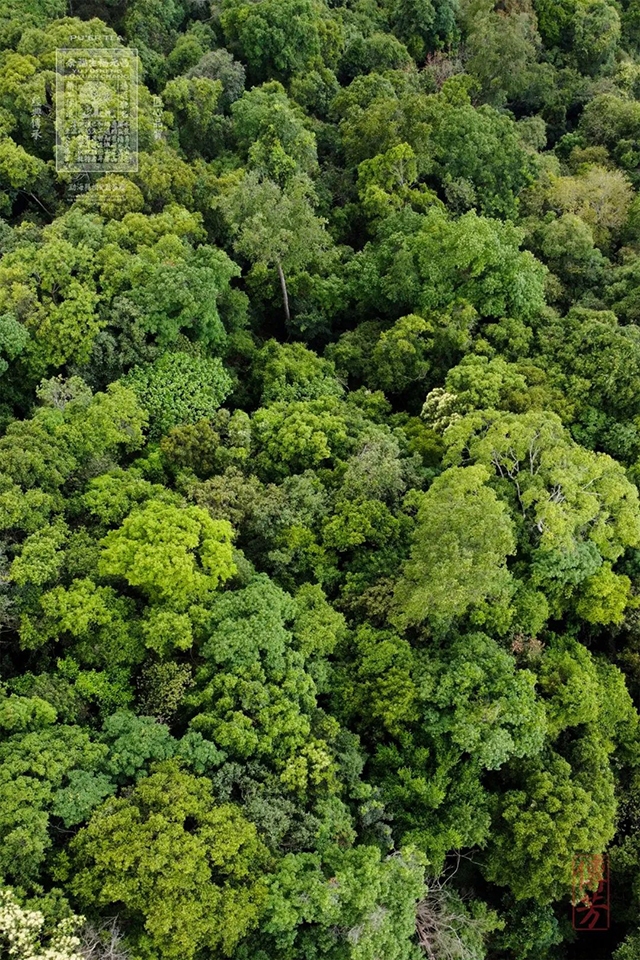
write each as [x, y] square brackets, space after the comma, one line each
[319, 467]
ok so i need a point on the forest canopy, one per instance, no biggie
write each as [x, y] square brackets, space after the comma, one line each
[319, 468]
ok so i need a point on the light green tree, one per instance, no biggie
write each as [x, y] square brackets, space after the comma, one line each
[174, 555]
[186, 869]
[458, 558]
[277, 228]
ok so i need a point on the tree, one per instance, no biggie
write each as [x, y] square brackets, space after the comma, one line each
[37, 13]
[479, 149]
[88, 284]
[278, 39]
[568, 501]
[596, 31]
[253, 696]
[400, 358]
[92, 621]
[152, 27]
[36, 764]
[503, 51]
[210, 446]
[428, 263]
[379, 52]
[448, 928]
[65, 433]
[580, 689]
[478, 383]
[277, 227]
[424, 25]
[290, 371]
[602, 370]
[531, 929]
[628, 948]
[291, 437]
[220, 65]
[359, 521]
[163, 686]
[347, 903]
[24, 935]
[19, 170]
[475, 696]
[174, 555]
[179, 388]
[552, 812]
[380, 468]
[460, 546]
[389, 181]
[272, 134]
[567, 246]
[600, 197]
[186, 869]
[194, 103]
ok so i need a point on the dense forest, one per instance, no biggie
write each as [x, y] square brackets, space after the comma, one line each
[319, 454]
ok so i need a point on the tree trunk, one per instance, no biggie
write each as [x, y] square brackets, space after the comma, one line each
[285, 295]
